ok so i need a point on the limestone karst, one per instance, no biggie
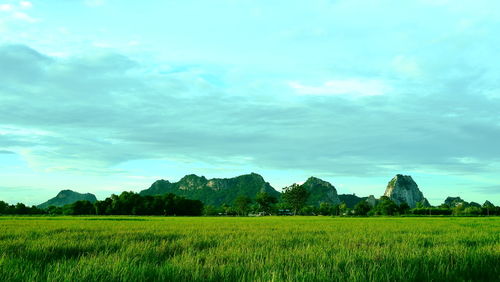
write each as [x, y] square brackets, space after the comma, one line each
[402, 188]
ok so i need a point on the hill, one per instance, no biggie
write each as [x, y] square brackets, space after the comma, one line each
[320, 191]
[402, 189]
[66, 197]
[351, 200]
[216, 191]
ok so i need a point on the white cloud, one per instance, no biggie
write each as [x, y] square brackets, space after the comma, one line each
[355, 87]
[23, 17]
[5, 7]
[26, 4]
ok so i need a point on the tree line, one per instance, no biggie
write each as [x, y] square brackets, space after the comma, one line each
[294, 198]
[292, 202]
[127, 203]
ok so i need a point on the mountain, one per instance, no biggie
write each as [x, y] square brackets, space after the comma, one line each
[350, 200]
[488, 204]
[320, 191]
[455, 201]
[216, 191]
[66, 197]
[402, 189]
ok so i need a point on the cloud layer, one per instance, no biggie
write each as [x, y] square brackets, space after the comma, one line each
[339, 89]
[99, 110]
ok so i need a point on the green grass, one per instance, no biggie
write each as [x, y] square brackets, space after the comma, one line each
[251, 249]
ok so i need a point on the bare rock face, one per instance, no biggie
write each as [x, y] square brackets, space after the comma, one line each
[371, 201]
[402, 189]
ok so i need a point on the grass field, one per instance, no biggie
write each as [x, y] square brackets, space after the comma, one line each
[258, 249]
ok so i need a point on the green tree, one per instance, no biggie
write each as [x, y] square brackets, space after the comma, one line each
[309, 210]
[326, 209]
[459, 209]
[386, 206]
[242, 204]
[362, 208]
[444, 206]
[472, 210]
[488, 207]
[21, 208]
[53, 210]
[265, 202]
[4, 207]
[343, 209]
[79, 208]
[210, 210]
[404, 208]
[295, 196]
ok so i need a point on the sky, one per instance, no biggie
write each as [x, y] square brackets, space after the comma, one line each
[103, 96]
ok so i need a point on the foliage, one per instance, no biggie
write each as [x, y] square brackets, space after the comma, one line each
[265, 202]
[431, 211]
[295, 196]
[328, 209]
[210, 210]
[130, 203]
[385, 206]
[404, 208]
[362, 208]
[79, 208]
[350, 200]
[215, 192]
[19, 208]
[242, 205]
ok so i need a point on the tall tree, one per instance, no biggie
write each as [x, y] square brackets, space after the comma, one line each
[386, 206]
[404, 208]
[295, 196]
[362, 208]
[488, 206]
[265, 202]
[242, 204]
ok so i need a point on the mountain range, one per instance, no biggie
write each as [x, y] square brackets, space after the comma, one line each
[220, 191]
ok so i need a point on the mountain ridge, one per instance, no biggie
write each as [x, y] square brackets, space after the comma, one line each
[215, 191]
[67, 196]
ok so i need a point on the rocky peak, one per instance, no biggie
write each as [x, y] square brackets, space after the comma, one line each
[320, 191]
[403, 189]
[316, 181]
[454, 201]
[252, 176]
[64, 194]
[192, 181]
[371, 200]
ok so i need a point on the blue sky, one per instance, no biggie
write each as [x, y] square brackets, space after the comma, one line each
[104, 96]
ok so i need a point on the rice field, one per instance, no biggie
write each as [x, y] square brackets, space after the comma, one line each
[249, 249]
